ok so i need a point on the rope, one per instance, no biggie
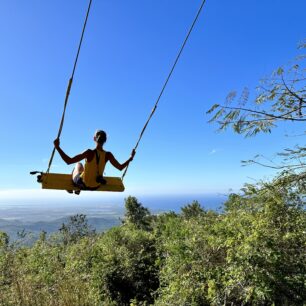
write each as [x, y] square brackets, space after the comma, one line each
[167, 79]
[70, 84]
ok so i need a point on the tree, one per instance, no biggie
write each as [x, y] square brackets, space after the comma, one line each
[137, 214]
[77, 227]
[265, 223]
[192, 210]
[4, 240]
[265, 238]
[124, 266]
[280, 98]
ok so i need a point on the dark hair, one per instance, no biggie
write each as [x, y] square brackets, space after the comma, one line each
[100, 137]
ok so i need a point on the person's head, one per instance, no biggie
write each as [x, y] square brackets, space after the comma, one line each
[100, 137]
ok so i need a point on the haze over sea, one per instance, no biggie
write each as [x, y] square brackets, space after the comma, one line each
[34, 210]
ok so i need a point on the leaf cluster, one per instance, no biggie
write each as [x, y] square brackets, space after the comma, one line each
[281, 97]
[252, 253]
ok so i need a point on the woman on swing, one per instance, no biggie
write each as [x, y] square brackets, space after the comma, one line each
[90, 177]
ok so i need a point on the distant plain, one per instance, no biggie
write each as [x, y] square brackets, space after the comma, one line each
[36, 215]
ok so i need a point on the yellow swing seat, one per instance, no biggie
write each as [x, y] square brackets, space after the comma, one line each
[64, 182]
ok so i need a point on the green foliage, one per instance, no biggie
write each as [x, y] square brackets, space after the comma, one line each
[192, 210]
[4, 241]
[124, 266]
[281, 97]
[264, 257]
[76, 228]
[253, 253]
[137, 214]
[189, 257]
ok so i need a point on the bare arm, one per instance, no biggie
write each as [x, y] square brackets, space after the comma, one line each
[71, 160]
[110, 157]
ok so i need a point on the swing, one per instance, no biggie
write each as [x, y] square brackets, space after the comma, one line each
[64, 181]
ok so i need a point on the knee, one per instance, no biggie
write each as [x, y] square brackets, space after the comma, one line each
[79, 167]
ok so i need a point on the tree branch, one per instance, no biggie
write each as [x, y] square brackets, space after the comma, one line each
[266, 114]
[301, 101]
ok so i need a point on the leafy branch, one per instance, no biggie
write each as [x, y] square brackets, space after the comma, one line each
[280, 100]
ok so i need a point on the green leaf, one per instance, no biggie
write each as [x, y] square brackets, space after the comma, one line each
[219, 113]
[280, 71]
[212, 108]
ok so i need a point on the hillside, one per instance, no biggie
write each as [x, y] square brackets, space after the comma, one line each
[13, 227]
[253, 253]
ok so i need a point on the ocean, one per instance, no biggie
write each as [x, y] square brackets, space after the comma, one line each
[36, 214]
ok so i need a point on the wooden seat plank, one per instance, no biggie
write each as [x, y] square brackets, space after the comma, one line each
[64, 182]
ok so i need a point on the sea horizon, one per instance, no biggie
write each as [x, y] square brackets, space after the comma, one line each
[28, 208]
[35, 214]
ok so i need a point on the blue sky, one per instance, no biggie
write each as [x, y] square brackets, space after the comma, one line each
[128, 50]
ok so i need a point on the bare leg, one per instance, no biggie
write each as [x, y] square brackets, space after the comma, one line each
[77, 170]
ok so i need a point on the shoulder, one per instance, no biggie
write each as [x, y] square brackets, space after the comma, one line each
[89, 154]
[108, 155]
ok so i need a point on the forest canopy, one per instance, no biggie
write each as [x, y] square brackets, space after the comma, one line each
[251, 253]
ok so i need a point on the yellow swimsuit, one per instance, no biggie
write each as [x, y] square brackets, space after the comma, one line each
[93, 168]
